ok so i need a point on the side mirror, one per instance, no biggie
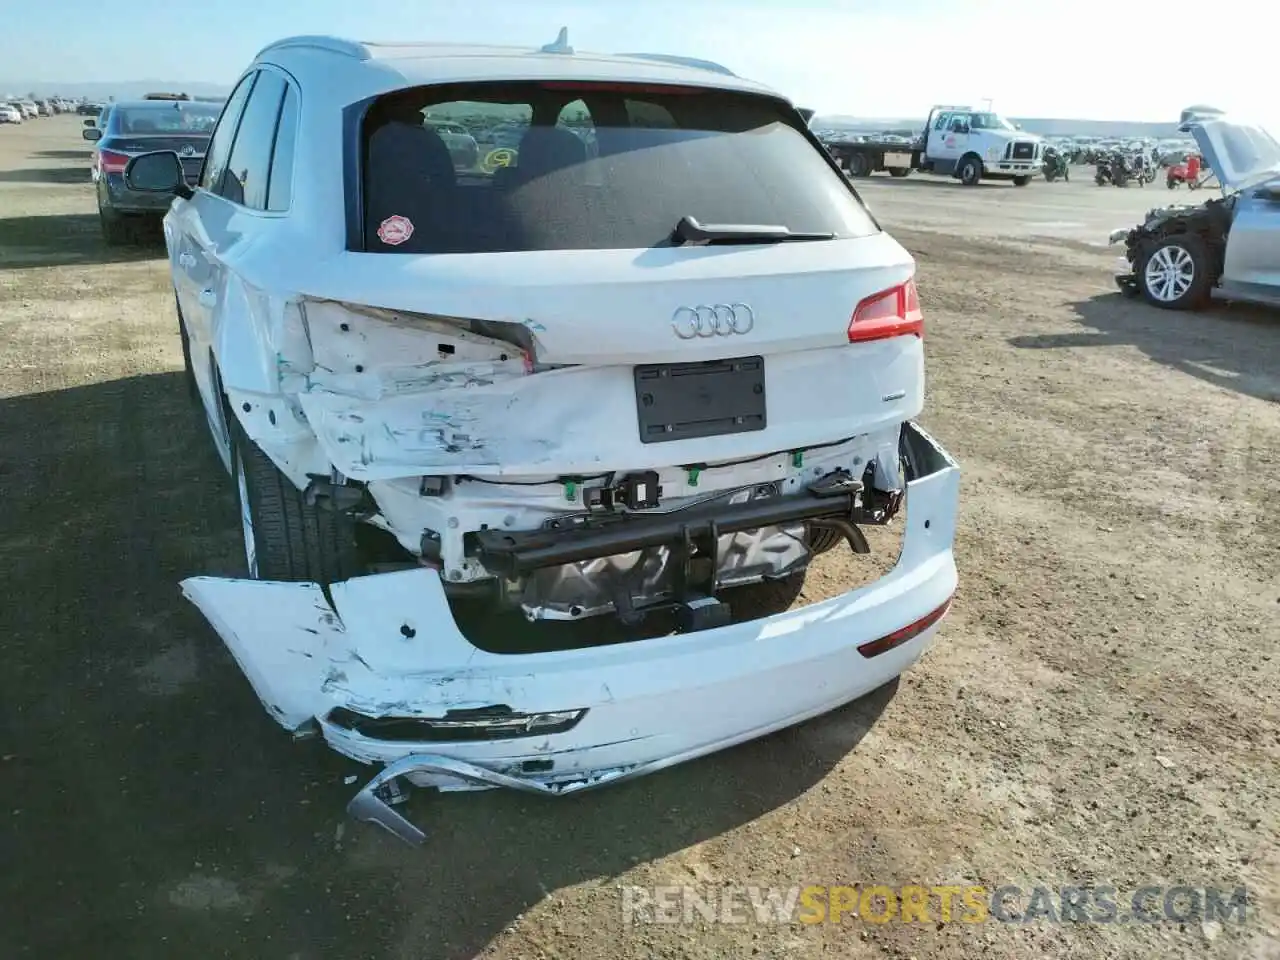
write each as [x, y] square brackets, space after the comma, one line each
[91, 134]
[158, 172]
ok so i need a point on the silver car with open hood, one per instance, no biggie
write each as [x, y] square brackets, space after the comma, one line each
[1181, 257]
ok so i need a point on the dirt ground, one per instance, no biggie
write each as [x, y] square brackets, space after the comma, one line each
[1101, 706]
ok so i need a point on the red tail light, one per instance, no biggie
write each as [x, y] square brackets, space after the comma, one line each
[111, 162]
[891, 313]
[873, 648]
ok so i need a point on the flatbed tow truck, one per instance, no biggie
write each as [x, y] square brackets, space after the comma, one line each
[969, 145]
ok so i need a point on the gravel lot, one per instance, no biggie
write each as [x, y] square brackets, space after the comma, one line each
[1101, 706]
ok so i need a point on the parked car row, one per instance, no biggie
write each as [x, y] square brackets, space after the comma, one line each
[24, 109]
[17, 109]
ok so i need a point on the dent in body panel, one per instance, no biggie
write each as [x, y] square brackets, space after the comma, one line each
[377, 396]
[365, 396]
[582, 419]
[304, 656]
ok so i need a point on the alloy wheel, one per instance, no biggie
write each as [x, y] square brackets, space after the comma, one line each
[1170, 273]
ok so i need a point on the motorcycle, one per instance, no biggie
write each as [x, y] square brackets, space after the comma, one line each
[1188, 173]
[1125, 169]
[1055, 165]
[1144, 171]
[1102, 173]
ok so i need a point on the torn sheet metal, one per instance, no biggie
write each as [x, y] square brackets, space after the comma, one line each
[371, 804]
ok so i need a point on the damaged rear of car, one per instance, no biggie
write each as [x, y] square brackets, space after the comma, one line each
[605, 391]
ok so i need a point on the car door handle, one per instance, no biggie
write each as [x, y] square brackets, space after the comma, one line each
[186, 260]
[208, 298]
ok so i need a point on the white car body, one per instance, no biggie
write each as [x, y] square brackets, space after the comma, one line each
[10, 114]
[348, 368]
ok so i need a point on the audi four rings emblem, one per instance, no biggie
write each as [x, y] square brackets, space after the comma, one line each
[713, 320]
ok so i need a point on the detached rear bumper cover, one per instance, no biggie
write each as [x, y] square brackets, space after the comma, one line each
[388, 646]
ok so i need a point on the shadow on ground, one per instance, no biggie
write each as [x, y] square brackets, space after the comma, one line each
[84, 154]
[78, 175]
[162, 811]
[68, 239]
[1233, 346]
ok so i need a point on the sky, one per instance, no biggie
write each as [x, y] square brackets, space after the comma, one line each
[871, 58]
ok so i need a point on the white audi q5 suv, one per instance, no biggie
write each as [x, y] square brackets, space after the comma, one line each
[603, 380]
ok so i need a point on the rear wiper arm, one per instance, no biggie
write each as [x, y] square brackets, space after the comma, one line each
[689, 230]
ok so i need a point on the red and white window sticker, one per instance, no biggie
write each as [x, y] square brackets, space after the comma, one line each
[394, 231]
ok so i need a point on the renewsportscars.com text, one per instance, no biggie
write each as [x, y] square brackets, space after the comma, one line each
[942, 903]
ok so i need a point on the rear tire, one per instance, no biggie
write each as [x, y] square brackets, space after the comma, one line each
[286, 538]
[115, 229]
[970, 170]
[859, 166]
[188, 369]
[899, 172]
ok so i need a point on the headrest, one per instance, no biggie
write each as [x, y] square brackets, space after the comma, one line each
[399, 151]
[544, 150]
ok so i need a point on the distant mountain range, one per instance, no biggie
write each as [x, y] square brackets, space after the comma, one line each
[123, 90]
[1044, 126]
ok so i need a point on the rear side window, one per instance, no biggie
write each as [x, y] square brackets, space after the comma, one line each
[215, 161]
[249, 172]
[574, 166]
[279, 194]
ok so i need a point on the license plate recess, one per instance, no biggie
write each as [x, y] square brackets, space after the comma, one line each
[711, 398]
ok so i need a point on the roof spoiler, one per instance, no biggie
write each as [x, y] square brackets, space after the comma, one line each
[691, 62]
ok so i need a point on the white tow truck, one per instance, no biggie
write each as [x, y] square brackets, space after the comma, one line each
[969, 145]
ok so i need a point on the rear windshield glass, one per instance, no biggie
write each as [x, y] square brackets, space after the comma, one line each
[170, 117]
[541, 166]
